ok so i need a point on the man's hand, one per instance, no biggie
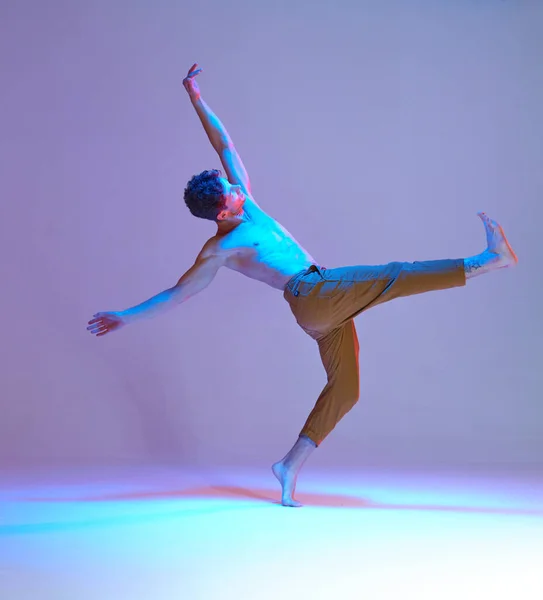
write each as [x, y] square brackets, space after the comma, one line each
[199, 276]
[190, 82]
[104, 322]
[217, 134]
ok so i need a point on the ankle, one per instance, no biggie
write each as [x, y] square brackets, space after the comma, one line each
[482, 263]
[307, 441]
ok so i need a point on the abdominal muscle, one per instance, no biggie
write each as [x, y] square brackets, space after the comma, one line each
[275, 273]
[267, 254]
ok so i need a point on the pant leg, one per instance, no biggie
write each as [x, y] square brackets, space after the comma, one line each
[328, 298]
[339, 353]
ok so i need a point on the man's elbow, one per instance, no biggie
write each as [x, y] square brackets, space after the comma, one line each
[224, 146]
[178, 293]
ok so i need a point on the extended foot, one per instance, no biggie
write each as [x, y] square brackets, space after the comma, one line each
[498, 245]
[287, 478]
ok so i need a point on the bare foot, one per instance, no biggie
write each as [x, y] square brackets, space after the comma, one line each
[287, 479]
[498, 244]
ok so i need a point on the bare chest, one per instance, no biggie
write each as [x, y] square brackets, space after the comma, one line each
[250, 241]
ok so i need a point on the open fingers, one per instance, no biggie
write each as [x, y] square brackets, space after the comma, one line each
[194, 70]
[97, 328]
[99, 324]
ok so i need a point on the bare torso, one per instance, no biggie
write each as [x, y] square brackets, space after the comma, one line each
[260, 248]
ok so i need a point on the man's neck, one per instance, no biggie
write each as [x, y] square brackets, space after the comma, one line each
[229, 225]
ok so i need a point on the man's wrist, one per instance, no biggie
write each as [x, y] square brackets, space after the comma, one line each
[128, 316]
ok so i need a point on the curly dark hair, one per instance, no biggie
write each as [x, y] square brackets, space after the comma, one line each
[204, 195]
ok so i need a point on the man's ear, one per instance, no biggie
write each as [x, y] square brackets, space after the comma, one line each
[222, 215]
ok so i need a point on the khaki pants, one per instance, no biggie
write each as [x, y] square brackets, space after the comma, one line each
[325, 302]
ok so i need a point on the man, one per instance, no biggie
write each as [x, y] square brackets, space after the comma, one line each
[323, 301]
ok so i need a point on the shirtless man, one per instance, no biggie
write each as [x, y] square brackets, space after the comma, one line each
[324, 301]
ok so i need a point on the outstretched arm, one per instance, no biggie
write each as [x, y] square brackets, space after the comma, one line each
[198, 277]
[217, 134]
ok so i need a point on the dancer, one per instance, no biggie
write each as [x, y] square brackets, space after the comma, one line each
[324, 301]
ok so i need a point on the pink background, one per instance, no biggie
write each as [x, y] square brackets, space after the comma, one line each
[373, 130]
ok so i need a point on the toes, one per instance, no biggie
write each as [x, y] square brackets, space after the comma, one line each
[487, 221]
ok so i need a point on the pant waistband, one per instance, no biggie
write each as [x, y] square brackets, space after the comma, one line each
[294, 281]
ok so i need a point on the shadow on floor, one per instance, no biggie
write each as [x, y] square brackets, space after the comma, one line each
[267, 496]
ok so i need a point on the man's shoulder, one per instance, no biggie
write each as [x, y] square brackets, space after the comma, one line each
[212, 250]
[221, 244]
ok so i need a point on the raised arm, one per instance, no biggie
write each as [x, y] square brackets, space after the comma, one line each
[198, 277]
[217, 134]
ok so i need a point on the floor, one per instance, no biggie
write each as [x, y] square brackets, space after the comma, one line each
[173, 534]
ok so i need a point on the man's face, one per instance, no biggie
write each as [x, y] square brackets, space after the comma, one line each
[234, 199]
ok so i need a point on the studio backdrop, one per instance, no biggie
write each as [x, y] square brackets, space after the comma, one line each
[373, 131]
